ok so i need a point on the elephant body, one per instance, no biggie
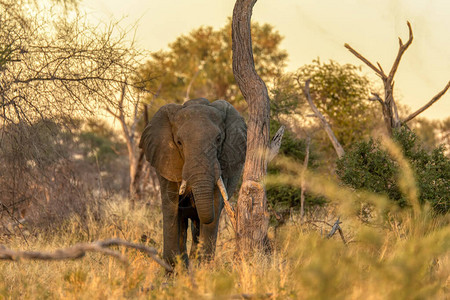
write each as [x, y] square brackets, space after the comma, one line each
[193, 147]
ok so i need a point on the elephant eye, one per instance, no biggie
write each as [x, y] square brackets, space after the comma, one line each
[218, 139]
[179, 143]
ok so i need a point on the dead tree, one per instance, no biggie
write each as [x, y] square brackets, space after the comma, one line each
[252, 217]
[388, 105]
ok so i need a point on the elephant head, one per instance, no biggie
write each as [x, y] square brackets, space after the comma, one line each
[196, 144]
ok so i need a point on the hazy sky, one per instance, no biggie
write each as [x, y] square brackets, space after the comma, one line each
[318, 28]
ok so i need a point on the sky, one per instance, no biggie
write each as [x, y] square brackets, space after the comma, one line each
[317, 28]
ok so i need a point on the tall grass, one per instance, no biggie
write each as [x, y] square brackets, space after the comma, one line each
[391, 254]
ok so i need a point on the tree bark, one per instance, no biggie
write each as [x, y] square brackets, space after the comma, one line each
[252, 213]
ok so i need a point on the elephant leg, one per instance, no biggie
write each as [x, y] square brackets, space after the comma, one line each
[172, 225]
[195, 229]
[183, 226]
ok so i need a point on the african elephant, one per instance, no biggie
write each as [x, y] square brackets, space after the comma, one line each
[198, 150]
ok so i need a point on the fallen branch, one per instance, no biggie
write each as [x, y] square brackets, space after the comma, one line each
[252, 296]
[79, 250]
[335, 228]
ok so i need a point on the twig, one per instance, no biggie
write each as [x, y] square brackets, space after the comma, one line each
[80, 250]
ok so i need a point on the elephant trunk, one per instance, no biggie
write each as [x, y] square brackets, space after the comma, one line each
[204, 200]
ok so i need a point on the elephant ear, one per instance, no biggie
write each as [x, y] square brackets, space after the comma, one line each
[159, 146]
[234, 146]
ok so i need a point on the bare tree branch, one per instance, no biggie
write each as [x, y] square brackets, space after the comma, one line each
[337, 146]
[379, 70]
[376, 97]
[80, 250]
[431, 102]
[401, 50]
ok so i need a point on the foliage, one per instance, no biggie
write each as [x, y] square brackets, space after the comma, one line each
[207, 71]
[286, 97]
[368, 166]
[341, 94]
[99, 142]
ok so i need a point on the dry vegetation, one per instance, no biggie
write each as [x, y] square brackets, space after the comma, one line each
[389, 254]
[49, 199]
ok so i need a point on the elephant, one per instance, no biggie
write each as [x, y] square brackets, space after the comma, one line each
[198, 150]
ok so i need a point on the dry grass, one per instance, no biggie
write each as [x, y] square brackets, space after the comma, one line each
[392, 254]
[408, 260]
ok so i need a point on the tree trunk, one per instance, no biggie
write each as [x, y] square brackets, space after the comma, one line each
[252, 214]
[136, 174]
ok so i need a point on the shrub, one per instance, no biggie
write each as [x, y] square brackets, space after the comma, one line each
[368, 166]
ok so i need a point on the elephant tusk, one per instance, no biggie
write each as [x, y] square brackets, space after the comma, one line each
[182, 187]
[222, 188]
[229, 209]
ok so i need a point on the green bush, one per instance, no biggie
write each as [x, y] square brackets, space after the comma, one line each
[368, 166]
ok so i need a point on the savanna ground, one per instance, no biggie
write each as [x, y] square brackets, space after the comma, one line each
[405, 257]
